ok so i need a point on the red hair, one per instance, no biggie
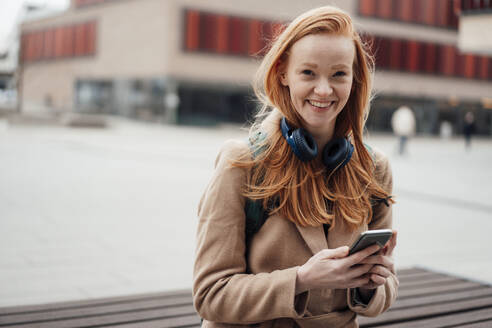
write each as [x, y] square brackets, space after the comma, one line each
[303, 192]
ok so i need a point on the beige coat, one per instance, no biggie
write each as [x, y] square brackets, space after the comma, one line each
[232, 289]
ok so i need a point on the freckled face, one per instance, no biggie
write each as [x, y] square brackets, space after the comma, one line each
[319, 76]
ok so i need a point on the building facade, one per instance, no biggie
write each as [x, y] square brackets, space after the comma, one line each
[192, 61]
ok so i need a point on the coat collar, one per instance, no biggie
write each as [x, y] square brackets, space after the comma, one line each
[314, 237]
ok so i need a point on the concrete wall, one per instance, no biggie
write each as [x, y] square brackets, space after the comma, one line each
[475, 33]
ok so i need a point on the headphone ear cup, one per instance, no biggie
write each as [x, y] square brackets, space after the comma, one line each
[305, 146]
[337, 153]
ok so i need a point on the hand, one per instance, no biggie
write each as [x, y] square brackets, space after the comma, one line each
[383, 265]
[332, 268]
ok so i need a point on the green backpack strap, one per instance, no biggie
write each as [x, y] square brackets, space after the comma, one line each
[255, 217]
[371, 152]
[253, 209]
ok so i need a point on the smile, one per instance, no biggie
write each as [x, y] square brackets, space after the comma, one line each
[318, 104]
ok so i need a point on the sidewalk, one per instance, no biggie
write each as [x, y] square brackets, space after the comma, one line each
[99, 212]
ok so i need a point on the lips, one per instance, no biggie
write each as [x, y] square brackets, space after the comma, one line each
[321, 104]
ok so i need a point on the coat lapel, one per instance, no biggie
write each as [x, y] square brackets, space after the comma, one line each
[314, 237]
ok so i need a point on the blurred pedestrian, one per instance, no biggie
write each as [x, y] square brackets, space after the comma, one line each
[297, 172]
[468, 129]
[403, 124]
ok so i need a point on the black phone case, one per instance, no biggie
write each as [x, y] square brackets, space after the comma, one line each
[368, 240]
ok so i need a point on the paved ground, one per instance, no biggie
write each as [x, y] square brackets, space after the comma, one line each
[97, 212]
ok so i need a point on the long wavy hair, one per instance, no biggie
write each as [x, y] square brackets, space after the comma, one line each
[305, 193]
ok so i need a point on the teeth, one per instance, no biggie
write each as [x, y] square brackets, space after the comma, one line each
[320, 104]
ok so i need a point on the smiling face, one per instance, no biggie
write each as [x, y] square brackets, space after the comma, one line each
[319, 76]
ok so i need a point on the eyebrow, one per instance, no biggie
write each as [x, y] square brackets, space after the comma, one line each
[316, 66]
[310, 65]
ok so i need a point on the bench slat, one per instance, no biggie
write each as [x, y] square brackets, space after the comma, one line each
[410, 271]
[437, 282]
[184, 321]
[483, 324]
[414, 313]
[98, 309]
[438, 298]
[453, 320]
[462, 285]
[92, 302]
[111, 319]
[424, 276]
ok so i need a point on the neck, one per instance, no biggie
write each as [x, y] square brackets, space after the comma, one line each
[322, 136]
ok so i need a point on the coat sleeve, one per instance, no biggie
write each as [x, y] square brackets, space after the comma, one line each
[222, 290]
[385, 294]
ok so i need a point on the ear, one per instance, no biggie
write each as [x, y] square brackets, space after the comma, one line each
[283, 79]
[282, 74]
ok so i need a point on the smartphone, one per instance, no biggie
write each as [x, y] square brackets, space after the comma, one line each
[371, 237]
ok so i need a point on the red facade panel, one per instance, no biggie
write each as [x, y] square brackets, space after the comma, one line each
[38, 45]
[91, 38]
[59, 42]
[383, 53]
[237, 35]
[49, 44]
[255, 44]
[29, 47]
[208, 32]
[385, 9]
[68, 41]
[192, 29]
[395, 54]
[489, 65]
[430, 63]
[222, 33]
[484, 69]
[405, 10]
[448, 60]
[80, 40]
[412, 56]
[367, 7]
[469, 65]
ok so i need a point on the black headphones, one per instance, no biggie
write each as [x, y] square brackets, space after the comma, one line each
[336, 153]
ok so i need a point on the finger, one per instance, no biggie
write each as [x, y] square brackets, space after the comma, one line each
[334, 253]
[377, 279]
[360, 281]
[383, 260]
[369, 285]
[390, 246]
[358, 270]
[380, 271]
[360, 255]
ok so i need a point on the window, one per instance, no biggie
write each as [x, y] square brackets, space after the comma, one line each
[59, 42]
[440, 13]
[429, 58]
[230, 35]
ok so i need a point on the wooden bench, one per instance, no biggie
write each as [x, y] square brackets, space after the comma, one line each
[426, 299]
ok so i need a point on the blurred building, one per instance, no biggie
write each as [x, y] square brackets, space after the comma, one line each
[9, 53]
[192, 61]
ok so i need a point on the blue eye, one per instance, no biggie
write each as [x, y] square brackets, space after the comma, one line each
[307, 72]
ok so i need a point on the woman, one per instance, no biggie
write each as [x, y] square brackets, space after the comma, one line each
[295, 270]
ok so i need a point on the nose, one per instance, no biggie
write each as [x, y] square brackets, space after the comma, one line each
[323, 88]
